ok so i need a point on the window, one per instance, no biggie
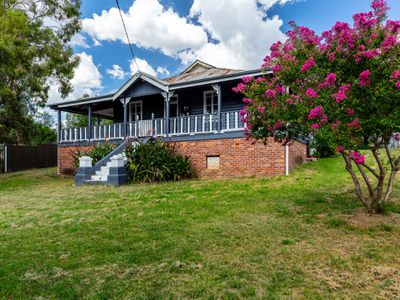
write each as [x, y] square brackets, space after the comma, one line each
[213, 162]
[210, 102]
[135, 110]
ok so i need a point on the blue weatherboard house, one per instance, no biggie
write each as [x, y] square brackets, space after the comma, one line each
[196, 106]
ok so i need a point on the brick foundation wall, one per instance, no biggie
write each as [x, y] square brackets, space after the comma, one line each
[237, 157]
[66, 165]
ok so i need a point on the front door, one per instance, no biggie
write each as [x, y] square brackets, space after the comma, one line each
[135, 110]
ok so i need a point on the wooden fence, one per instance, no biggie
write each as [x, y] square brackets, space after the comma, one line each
[16, 158]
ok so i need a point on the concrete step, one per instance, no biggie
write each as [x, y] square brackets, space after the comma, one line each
[105, 170]
[98, 178]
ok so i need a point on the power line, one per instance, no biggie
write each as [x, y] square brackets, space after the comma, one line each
[127, 36]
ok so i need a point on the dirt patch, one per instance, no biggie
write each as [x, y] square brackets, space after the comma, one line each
[361, 218]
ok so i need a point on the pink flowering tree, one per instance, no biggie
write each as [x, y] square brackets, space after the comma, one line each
[346, 83]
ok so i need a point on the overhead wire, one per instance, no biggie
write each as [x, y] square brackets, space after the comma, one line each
[127, 35]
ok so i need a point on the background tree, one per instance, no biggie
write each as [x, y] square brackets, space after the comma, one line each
[345, 84]
[34, 52]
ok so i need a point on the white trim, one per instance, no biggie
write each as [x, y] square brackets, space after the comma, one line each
[214, 97]
[130, 110]
[287, 160]
[134, 78]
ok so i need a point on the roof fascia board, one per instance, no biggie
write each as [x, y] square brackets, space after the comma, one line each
[82, 102]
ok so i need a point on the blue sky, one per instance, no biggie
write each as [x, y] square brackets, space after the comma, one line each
[168, 34]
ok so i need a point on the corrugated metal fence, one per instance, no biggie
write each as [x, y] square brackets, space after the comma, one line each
[16, 158]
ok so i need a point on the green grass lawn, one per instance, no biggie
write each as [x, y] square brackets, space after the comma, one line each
[302, 236]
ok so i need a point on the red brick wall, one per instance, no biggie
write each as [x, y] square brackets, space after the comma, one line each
[65, 159]
[237, 157]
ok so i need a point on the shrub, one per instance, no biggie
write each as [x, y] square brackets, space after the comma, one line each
[324, 144]
[344, 83]
[156, 161]
[96, 153]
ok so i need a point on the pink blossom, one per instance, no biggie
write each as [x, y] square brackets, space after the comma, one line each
[271, 94]
[290, 101]
[339, 149]
[371, 53]
[344, 88]
[243, 112]
[315, 126]
[315, 112]
[261, 109]
[261, 79]
[267, 62]
[364, 79]
[308, 64]
[349, 111]
[389, 43]
[358, 59]
[311, 93]
[393, 26]
[276, 46]
[280, 89]
[247, 100]
[247, 79]
[331, 79]
[395, 75]
[332, 56]
[240, 88]
[398, 85]
[354, 124]
[339, 97]
[278, 125]
[276, 68]
[380, 8]
[358, 158]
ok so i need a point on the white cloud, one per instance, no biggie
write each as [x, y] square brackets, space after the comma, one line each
[244, 33]
[163, 71]
[225, 33]
[269, 3]
[116, 72]
[150, 26]
[79, 40]
[144, 66]
[86, 80]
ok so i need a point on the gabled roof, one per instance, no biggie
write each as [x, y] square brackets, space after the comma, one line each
[197, 74]
[197, 65]
[146, 77]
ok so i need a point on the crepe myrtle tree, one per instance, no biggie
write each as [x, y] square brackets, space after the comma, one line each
[344, 82]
